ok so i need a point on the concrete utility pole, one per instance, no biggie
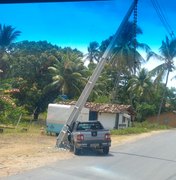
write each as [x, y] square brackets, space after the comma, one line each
[62, 141]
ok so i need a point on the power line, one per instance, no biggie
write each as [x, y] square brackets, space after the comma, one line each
[162, 17]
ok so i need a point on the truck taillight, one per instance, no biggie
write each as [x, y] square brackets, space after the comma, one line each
[80, 137]
[107, 136]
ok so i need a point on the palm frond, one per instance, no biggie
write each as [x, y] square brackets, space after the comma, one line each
[152, 54]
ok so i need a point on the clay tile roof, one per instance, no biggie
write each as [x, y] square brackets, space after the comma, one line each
[104, 108]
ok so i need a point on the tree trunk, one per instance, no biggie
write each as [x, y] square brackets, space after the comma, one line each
[36, 114]
[162, 99]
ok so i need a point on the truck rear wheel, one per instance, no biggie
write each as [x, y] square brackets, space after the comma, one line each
[76, 150]
[106, 150]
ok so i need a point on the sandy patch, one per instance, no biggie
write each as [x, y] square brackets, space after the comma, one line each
[19, 153]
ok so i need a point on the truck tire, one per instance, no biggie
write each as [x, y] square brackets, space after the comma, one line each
[76, 150]
[106, 150]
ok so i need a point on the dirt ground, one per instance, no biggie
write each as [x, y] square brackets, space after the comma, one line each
[21, 152]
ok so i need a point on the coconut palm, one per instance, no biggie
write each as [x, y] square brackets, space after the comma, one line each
[125, 55]
[93, 52]
[68, 75]
[141, 93]
[8, 35]
[140, 86]
[125, 58]
[168, 53]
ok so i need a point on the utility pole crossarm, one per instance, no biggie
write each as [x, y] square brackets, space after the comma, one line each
[93, 79]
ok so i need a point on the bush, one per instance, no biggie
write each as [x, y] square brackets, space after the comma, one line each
[144, 110]
[9, 113]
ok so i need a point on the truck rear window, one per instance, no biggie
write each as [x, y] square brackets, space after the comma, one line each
[89, 126]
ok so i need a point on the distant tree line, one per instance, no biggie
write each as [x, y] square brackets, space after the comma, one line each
[34, 74]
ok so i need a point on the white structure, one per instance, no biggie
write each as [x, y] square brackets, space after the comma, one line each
[112, 116]
[58, 114]
[114, 120]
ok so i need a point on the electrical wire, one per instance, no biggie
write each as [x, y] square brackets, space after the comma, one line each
[162, 17]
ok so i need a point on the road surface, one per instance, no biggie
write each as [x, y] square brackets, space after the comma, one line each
[151, 158]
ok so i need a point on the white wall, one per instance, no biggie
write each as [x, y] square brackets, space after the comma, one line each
[107, 119]
[59, 113]
[84, 115]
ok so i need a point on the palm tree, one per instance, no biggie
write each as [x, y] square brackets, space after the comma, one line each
[168, 53]
[8, 35]
[141, 93]
[125, 55]
[93, 52]
[140, 87]
[69, 75]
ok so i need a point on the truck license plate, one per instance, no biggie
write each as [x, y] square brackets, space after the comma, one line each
[94, 133]
[94, 145]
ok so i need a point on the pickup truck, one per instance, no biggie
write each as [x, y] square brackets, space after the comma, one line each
[84, 135]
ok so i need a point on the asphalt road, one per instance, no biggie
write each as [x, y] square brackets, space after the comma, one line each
[151, 158]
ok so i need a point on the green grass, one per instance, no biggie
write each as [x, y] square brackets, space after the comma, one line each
[25, 126]
[23, 129]
[139, 128]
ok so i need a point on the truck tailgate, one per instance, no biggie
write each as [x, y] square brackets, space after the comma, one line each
[93, 135]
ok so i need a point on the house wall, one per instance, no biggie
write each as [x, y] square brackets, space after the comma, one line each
[107, 119]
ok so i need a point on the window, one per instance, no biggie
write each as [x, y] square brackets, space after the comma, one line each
[123, 119]
[88, 126]
[93, 116]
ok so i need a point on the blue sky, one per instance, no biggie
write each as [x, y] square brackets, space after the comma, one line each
[76, 24]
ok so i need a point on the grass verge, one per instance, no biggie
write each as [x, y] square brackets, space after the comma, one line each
[139, 128]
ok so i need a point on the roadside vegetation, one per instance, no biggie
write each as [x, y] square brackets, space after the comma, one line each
[27, 128]
[139, 128]
[34, 74]
[24, 129]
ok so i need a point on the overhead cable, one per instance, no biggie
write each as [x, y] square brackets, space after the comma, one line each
[162, 17]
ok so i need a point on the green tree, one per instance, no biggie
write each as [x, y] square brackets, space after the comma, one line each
[93, 52]
[30, 64]
[126, 55]
[9, 111]
[69, 74]
[8, 35]
[125, 58]
[171, 98]
[141, 86]
[141, 92]
[168, 53]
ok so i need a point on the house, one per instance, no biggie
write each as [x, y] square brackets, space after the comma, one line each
[112, 116]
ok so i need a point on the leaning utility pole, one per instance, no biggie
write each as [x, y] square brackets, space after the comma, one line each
[62, 141]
